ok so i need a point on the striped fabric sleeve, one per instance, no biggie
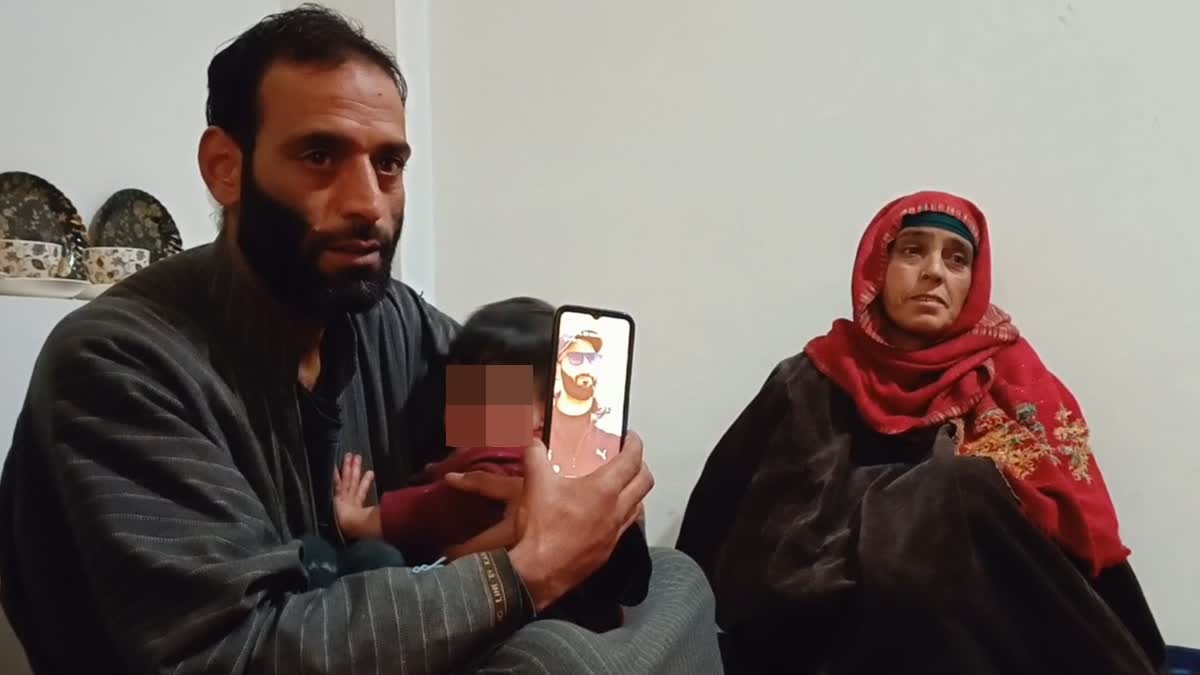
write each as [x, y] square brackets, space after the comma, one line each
[187, 569]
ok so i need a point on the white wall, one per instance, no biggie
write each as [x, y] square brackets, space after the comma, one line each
[111, 95]
[100, 96]
[107, 97]
[709, 166]
[624, 153]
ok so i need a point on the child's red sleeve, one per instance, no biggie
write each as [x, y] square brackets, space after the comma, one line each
[424, 520]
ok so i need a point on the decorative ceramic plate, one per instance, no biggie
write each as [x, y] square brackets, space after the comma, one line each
[42, 288]
[134, 218]
[33, 209]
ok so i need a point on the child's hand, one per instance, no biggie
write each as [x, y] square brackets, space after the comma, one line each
[350, 488]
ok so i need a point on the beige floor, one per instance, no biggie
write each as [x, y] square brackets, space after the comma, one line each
[12, 657]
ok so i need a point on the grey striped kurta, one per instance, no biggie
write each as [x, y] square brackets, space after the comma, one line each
[158, 481]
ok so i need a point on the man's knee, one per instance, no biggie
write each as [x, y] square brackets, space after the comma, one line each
[548, 646]
[676, 574]
[673, 630]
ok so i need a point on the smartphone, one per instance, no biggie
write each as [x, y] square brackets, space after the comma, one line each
[588, 412]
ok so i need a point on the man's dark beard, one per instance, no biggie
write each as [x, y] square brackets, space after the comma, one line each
[282, 249]
[576, 390]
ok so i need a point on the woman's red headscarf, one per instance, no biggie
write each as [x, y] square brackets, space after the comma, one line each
[985, 378]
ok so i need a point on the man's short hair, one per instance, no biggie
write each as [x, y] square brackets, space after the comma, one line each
[308, 34]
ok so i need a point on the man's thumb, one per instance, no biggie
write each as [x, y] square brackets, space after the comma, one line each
[485, 484]
[537, 462]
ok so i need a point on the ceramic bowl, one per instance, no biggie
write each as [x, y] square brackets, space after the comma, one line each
[110, 264]
[25, 259]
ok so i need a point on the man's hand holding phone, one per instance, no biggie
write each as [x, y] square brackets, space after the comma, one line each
[564, 529]
[572, 524]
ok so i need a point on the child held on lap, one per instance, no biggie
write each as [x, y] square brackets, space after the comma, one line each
[508, 340]
[499, 375]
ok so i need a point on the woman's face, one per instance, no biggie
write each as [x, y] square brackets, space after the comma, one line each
[927, 282]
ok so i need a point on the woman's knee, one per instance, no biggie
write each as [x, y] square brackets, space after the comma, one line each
[971, 478]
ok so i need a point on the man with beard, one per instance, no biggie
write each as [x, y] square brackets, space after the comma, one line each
[577, 445]
[178, 440]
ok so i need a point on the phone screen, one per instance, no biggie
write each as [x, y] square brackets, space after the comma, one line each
[587, 414]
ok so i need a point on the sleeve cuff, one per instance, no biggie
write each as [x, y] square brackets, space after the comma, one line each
[511, 602]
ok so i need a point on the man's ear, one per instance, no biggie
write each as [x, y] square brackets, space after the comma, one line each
[220, 160]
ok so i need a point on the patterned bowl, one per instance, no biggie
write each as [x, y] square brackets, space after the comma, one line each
[25, 259]
[110, 264]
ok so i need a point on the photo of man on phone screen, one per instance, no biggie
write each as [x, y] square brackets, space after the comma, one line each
[578, 444]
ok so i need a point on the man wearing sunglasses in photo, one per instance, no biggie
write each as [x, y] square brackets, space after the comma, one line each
[577, 445]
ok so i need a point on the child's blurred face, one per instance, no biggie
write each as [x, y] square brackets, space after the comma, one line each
[492, 406]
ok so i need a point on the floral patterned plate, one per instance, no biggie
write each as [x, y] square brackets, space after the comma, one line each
[134, 218]
[33, 209]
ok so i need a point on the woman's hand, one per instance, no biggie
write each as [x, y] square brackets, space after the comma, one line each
[350, 489]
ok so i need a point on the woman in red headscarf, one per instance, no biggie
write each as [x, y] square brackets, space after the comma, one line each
[915, 491]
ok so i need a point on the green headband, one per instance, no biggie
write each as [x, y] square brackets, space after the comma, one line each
[941, 221]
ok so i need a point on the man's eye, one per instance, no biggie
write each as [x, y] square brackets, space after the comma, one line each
[390, 166]
[318, 158]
